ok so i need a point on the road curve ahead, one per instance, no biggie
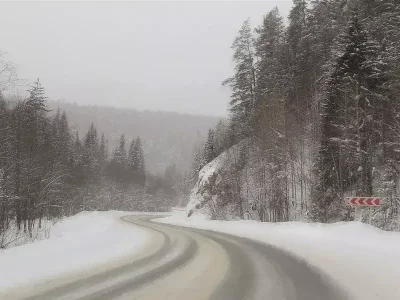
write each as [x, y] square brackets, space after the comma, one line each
[190, 264]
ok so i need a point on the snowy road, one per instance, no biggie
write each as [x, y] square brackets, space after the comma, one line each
[183, 263]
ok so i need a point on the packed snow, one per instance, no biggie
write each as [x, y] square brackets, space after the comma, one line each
[363, 260]
[76, 246]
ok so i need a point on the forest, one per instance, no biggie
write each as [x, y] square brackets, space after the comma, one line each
[168, 137]
[314, 116]
[47, 171]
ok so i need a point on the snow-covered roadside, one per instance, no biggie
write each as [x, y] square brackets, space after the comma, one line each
[363, 260]
[13, 237]
[76, 245]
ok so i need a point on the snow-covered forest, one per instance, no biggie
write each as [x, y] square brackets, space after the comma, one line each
[314, 117]
[47, 171]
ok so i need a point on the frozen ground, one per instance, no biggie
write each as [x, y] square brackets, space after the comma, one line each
[76, 245]
[363, 260]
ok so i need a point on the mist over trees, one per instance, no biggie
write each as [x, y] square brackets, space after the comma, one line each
[48, 171]
[316, 102]
[167, 137]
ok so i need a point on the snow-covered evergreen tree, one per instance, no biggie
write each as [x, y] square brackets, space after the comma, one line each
[243, 82]
[348, 137]
[209, 148]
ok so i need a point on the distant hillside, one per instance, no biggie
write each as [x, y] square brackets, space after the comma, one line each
[168, 137]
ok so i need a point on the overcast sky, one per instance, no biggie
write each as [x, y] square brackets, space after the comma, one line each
[145, 55]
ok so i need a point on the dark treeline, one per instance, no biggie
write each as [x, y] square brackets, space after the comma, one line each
[46, 171]
[318, 102]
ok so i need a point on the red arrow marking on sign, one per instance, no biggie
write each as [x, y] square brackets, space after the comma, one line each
[364, 201]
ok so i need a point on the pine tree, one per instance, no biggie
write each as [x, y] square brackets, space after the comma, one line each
[77, 172]
[139, 162]
[103, 150]
[384, 26]
[35, 138]
[64, 140]
[209, 152]
[90, 157]
[120, 152]
[132, 155]
[7, 213]
[77, 149]
[300, 71]
[136, 162]
[37, 99]
[269, 120]
[243, 82]
[198, 162]
[268, 47]
[348, 139]
[118, 166]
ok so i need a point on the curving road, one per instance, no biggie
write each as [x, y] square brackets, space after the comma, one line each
[183, 263]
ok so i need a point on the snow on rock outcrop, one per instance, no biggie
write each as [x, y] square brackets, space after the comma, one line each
[215, 185]
[207, 186]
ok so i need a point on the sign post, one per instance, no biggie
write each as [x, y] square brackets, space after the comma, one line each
[370, 215]
[369, 202]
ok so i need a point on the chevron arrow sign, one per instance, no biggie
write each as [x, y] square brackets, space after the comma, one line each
[363, 201]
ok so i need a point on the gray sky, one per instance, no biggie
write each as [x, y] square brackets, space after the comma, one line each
[145, 55]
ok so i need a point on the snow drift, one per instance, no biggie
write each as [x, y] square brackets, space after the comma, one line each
[77, 245]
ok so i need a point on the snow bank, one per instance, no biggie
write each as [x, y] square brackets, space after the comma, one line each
[362, 259]
[76, 245]
[13, 237]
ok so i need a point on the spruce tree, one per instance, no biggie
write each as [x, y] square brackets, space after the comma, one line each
[132, 155]
[103, 150]
[120, 153]
[243, 82]
[90, 157]
[139, 163]
[209, 149]
[198, 162]
[348, 139]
